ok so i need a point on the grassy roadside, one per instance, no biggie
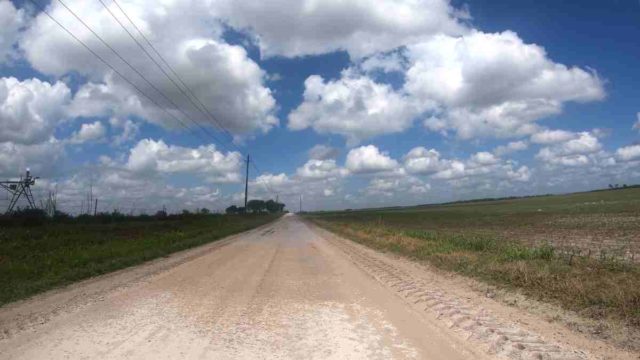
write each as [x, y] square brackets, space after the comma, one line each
[481, 241]
[37, 258]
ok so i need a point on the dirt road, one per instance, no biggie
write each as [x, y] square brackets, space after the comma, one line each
[283, 291]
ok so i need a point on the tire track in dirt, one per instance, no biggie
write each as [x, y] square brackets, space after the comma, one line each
[498, 337]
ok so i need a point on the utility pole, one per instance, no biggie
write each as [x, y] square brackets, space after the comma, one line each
[300, 203]
[246, 186]
[90, 195]
[95, 208]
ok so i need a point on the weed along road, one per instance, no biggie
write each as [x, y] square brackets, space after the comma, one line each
[286, 290]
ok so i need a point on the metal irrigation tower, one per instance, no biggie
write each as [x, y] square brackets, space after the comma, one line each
[20, 188]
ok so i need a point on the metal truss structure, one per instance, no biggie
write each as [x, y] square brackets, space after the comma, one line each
[18, 189]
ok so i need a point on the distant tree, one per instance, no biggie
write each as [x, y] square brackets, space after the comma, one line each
[61, 215]
[231, 210]
[617, 186]
[274, 207]
[186, 212]
[256, 206]
[610, 186]
[205, 211]
[624, 186]
[271, 206]
[241, 210]
[161, 214]
[33, 217]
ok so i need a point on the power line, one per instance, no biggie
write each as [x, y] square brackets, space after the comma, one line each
[138, 89]
[106, 44]
[164, 61]
[113, 68]
[175, 74]
[151, 57]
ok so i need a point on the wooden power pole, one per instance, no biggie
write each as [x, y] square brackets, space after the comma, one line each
[246, 186]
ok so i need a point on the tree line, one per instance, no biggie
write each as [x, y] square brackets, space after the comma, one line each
[256, 207]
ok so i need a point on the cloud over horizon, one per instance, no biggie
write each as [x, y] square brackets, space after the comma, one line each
[346, 103]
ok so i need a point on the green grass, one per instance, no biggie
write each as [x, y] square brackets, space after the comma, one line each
[574, 250]
[37, 258]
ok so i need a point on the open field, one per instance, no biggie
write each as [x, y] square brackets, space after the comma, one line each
[36, 258]
[579, 250]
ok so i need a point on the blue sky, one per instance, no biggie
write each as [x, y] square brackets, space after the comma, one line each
[349, 104]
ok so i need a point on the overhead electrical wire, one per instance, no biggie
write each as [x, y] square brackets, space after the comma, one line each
[173, 71]
[206, 111]
[153, 59]
[164, 61]
[113, 68]
[138, 89]
[106, 44]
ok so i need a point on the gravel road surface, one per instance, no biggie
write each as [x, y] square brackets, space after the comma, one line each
[283, 291]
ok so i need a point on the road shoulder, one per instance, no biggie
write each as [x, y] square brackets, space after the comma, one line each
[460, 304]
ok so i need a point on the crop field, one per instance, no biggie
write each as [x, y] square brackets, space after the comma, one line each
[37, 257]
[581, 250]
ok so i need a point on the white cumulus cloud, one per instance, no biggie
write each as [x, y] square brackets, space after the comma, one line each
[390, 187]
[484, 158]
[151, 156]
[30, 109]
[547, 136]
[129, 130]
[494, 84]
[354, 106]
[482, 166]
[385, 62]
[361, 27]
[628, 153]
[221, 75]
[323, 152]
[320, 169]
[42, 158]
[11, 20]
[574, 152]
[89, 132]
[422, 161]
[511, 147]
[369, 159]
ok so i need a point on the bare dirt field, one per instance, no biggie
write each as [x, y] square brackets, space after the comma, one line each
[287, 290]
